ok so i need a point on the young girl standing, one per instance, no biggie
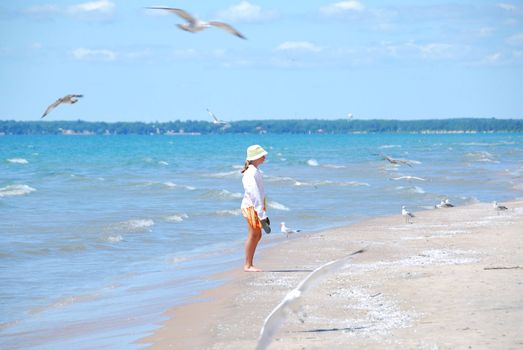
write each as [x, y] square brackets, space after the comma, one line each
[253, 203]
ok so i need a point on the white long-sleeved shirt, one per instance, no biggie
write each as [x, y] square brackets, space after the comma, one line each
[254, 192]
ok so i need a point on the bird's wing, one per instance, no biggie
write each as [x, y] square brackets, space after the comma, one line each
[53, 106]
[227, 27]
[183, 14]
[275, 319]
[213, 116]
[325, 269]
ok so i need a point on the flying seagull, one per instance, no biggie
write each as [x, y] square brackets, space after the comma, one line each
[397, 161]
[286, 230]
[292, 301]
[406, 214]
[71, 99]
[194, 25]
[215, 119]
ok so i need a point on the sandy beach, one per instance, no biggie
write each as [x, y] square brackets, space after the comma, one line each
[451, 279]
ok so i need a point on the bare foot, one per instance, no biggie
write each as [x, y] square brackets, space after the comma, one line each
[251, 269]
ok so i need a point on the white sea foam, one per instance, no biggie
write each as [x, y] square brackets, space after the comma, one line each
[113, 238]
[18, 161]
[162, 162]
[229, 212]
[334, 166]
[15, 190]
[132, 226]
[177, 218]
[390, 146]
[312, 162]
[223, 194]
[414, 189]
[277, 206]
[173, 185]
[234, 173]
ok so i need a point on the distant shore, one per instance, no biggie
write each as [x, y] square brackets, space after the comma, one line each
[284, 126]
[453, 279]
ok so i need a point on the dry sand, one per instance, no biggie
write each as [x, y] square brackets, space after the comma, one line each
[452, 279]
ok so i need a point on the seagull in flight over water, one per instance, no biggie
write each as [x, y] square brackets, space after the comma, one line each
[215, 119]
[194, 25]
[71, 99]
[292, 301]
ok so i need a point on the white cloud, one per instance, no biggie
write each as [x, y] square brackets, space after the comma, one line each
[493, 58]
[246, 12]
[298, 46]
[436, 51]
[94, 55]
[101, 6]
[42, 10]
[516, 39]
[486, 31]
[342, 7]
[505, 6]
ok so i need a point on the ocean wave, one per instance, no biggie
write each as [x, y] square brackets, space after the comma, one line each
[270, 178]
[331, 183]
[481, 156]
[222, 194]
[173, 185]
[162, 162]
[312, 162]
[15, 190]
[229, 212]
[389, 146]
[413, 189]
[176, 218]
[18, 160]
[334, 166]
[277, 206]
[133, 226]
[113, 238]
[234, 173]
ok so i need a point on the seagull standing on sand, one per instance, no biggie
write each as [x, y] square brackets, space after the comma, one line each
[406, 214]
[499, 207]
[286, 230]
[445, 203]
[292, 301]
[71, 99]
[194, 25]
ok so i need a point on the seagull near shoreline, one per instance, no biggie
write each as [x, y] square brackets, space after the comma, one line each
[195, 25]
[445, 203]
[286, 230]
[215, 119]
[406, 214]
[293, 300]
[71, 99]
[498, 207]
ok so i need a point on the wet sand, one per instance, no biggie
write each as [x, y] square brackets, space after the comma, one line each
[451, 279]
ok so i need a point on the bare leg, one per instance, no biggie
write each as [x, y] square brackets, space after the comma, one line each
[250, 247]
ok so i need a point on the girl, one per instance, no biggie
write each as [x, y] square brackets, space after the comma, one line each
[253, 203]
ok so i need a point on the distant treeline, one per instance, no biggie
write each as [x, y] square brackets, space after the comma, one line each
[303, 126]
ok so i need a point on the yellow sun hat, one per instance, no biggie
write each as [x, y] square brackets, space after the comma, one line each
[255, 152]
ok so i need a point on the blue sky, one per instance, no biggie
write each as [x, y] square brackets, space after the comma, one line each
[303, 59]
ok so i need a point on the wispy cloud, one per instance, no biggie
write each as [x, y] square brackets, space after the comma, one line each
[83, 54]
[515, 40]
[506, 6]
[246, 12]
[93, 10]
[493, 58]
[299, 46]
[101, 6]
[342, 7]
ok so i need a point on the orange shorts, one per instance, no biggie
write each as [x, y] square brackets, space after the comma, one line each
[252, 217]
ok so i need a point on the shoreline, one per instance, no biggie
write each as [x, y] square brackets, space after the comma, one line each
[452, 279]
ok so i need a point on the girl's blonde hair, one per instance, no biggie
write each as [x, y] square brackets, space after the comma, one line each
[246, 165]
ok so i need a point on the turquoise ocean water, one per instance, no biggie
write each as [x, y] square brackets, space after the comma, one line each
[101, 234]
